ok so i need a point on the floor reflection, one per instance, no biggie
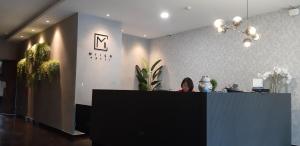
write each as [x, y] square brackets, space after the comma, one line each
[16, 132]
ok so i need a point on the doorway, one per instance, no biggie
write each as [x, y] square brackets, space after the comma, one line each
[7, 86]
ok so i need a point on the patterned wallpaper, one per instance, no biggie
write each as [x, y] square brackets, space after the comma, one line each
[222, 56]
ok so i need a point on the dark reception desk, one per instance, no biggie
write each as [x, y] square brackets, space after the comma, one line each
[133, 118]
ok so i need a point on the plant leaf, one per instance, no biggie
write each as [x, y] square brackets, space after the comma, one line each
[137, 68]
[145, 73]
[154, 65]
[138, 71]
[141, 79]
[155, 82]
[156, 86]
[157, 71]
[156, 75]
[143, 87]
[140, 75]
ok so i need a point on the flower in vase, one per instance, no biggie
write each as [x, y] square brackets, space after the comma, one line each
[289, 79]
[278, 77]
[277, 70]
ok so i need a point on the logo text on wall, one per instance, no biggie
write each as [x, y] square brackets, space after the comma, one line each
[100, 44]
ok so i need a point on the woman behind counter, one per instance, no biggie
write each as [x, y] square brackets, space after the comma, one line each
[187, 85]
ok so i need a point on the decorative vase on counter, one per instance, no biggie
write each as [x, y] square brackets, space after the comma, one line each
[205, 84]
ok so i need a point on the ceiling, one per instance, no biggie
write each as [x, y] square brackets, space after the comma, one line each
[138, 17]
[15, 13]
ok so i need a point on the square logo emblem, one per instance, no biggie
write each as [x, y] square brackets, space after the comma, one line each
[100, 42]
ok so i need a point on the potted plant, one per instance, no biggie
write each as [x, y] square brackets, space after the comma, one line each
[214, 84]
[149, 77]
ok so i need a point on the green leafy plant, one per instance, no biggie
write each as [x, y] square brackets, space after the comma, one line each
[30, 54]
[42, 53]
[214, 84]
[49, 69]
[21, 68]
[36, 64]
[24, 69]
[149, 77]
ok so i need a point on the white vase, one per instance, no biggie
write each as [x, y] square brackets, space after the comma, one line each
[205, 84]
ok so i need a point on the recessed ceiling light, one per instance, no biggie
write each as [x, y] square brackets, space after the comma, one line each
[145, 35]
[33, 30]
[164, 15]
[107, 15]
[47, 21]
[21, 36]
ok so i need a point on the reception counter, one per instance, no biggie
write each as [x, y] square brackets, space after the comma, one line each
[134, 118]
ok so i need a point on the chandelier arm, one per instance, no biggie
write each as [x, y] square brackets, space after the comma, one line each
[234, 28]
[247, 13]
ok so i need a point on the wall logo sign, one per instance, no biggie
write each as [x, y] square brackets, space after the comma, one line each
[100, 42]
[99, 56]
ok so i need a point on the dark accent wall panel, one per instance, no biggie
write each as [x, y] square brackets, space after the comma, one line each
[248, 119]
[83, 118]
[9, 50]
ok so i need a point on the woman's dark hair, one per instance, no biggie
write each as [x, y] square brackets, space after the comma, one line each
[189, 82]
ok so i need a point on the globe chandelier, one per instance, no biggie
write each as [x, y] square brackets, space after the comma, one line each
[250, 33]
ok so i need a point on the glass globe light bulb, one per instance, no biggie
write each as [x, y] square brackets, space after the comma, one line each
[237, 20]
[251, 31]
[219, 23]
[256, 37]
[220, 29]
[247, 43]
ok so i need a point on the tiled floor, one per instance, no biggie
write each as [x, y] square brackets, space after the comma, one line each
[16, 132]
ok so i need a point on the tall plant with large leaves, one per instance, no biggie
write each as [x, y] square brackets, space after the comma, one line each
[149, 77]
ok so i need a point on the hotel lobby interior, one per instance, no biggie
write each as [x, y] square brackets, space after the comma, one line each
[149, 73]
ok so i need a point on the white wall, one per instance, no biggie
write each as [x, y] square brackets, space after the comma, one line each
[119, 73]
[204, 52]
[96, 74]
[135, 50]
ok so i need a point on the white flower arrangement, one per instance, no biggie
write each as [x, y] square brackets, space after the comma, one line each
[278, 76]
